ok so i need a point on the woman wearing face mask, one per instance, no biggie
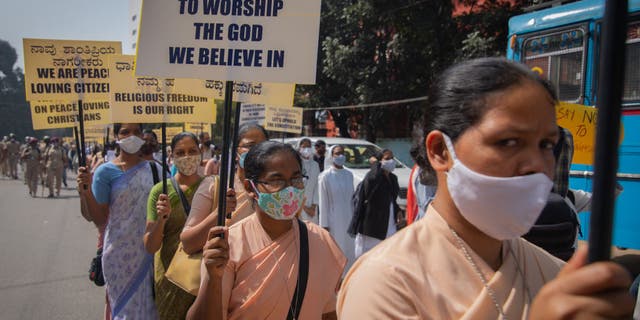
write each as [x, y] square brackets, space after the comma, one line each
[489, 131]
[335, 188]
[312, 171]
[116, 199]
[166, 215]
[377, 220]
[204, 215]
[253, 272]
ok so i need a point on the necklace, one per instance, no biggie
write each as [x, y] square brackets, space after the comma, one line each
[490, 291]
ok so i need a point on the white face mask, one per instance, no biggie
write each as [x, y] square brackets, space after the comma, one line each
[306, 153]
[131, 144]
[502, 208]
[388, 165]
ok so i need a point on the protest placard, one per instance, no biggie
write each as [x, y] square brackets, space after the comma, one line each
[154, 100]
[198, 128]
[171, 132]
[283, 119]
[270, 40]
[276, 94]
[581, 121]
[67, 70]
[95, 133]
[252, 113]
[60, 114]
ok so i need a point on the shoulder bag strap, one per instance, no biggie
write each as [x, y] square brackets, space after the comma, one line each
[183, 199]
[303, 273]
[154, 172]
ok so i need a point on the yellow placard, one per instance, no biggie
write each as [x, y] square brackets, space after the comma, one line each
[95, 133]
[275, 94]
[154, 100]
[198, 128]
[283, 119]
[60, 114]
[67, 70]
[581, 121]
[171, 132]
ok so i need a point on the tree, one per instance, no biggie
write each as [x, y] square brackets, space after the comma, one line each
[484, 27]
[14, 109]
[381, 50]
[8, 58]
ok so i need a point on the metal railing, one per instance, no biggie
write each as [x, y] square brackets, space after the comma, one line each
[589, 174]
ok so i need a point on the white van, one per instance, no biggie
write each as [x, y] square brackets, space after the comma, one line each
[358, 153]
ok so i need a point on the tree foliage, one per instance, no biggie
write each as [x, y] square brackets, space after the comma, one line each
[15, 116]
[383, 50]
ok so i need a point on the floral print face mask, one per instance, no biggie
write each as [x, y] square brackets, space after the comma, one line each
[281, 205]
[187, 165]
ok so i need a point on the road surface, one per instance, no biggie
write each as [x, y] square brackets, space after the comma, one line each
[45, 251]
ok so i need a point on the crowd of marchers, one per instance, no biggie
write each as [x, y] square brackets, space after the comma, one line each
[490, 232]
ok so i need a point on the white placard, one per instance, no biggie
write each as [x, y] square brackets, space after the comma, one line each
[249, 40]
[252, 113]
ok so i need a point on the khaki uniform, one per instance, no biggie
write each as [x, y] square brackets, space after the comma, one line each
[31, 157]
[43, 166]
[4, 163]
[13, 149]
[23, 163]
[54, 162]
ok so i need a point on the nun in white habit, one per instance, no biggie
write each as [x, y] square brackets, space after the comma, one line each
[335, 191]
[310, 169]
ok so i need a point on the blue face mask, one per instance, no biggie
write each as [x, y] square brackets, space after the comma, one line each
[339, 160]
[241, 158]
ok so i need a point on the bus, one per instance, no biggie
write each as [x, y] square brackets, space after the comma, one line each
[562, 44]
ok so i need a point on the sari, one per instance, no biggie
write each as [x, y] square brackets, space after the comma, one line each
[261, 275]
[422, 273]
[172, 301]
[127, 266]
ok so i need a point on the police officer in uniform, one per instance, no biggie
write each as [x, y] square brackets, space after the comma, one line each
[4, 162]
[44, 147]
[23, 163]
[31, 157]
[55, 160]
[13, 149]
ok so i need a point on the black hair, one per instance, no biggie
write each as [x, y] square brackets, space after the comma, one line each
[320, 143]
[181, 136]
[246, 127]
[303, 140]
[201, 135]
[117, 126]
[457, 99]
[151, 132]
[380, 154]
[258, 155]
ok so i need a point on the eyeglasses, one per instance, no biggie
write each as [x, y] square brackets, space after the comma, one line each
[279, 184]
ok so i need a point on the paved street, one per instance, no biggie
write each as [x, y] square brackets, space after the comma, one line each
[45, 250]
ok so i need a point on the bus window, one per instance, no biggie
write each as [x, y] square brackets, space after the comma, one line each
[559, 57]
[632, 69]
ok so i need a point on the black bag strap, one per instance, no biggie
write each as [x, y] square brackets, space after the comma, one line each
[303, 274]
[183, 199]
[154, 172]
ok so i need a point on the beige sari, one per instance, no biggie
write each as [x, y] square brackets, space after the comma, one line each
[421, 273]
[260, 278]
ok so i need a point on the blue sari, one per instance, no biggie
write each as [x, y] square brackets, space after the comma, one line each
[127, 267]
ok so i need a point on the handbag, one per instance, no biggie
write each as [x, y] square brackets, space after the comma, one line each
[184, 269]
[95, 269]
